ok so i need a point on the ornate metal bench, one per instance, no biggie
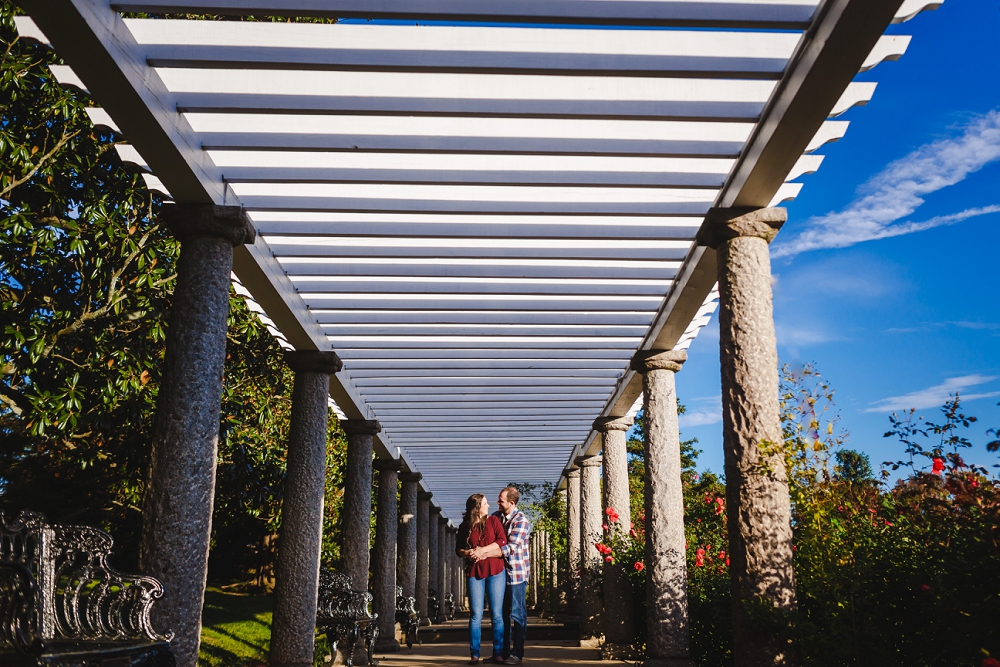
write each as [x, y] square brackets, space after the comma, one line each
[345, 616]
[433, 606]
[407, 617]
[61, 604]
[449, 607]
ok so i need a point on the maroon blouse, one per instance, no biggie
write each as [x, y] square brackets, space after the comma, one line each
[491, 532]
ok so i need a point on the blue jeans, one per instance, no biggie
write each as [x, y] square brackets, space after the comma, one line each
[478, 590]
[516, 611]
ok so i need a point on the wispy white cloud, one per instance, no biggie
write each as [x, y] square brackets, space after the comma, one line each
[702, 411]
[898, 190]
[803, 336]
[935, 396]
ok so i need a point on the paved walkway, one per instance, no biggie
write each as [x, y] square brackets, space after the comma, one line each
[538, 653]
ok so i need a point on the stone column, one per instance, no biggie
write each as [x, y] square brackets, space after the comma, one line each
[459, 572]
[408, 532]
[441, 574]
[573, 539]
[534, 578]
[552, 580]
[590, 558]
[668, 638]
[758, 510]
[447, 550]
[358, 499]
[386, 526]
[433, 553]
[423, 553]
[561, 579]
[619, 623]
[180, 481]
[293, 629]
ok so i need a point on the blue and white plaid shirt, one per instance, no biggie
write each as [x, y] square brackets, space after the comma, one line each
[515, 552]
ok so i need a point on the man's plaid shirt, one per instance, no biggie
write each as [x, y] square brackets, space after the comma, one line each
[516, 552]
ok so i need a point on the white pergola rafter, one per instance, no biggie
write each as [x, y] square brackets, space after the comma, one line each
[484, 221]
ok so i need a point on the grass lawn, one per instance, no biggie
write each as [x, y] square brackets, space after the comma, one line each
[236, 629]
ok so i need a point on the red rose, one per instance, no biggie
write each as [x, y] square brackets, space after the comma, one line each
[938, 466]
[639, 567]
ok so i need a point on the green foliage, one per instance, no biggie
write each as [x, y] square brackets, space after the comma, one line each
[85, 278]
[86, 274]
[906, 575]
[900, 576]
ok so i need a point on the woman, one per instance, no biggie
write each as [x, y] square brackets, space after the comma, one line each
[486, 577]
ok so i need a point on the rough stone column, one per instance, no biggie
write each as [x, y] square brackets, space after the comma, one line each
[180, 481]
[533, 556]
[561, 591]
[293, 630]
[386, 526]
[573, 539]
[408, 532]
[553, 579]
[619, 621]
[758, 511]
[590, 558]
[457, 575]
[442, 578]
[667, 630]
[433, 553]
[358, 499]
[423, 553]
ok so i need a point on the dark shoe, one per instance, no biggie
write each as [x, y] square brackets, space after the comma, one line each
[512, 660]
[474, 660]
[496, 659]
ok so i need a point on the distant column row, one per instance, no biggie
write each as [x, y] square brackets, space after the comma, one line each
[757, 502]
[180, 486]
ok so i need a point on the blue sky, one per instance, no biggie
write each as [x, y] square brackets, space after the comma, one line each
[906, 319]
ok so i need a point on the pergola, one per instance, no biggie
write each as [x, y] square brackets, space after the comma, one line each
[485, 208]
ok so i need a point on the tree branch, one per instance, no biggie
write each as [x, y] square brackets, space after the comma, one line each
[114, 296]
[14, 399]
[63, 140]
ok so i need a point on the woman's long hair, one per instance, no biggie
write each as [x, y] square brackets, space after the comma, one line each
[471, 516]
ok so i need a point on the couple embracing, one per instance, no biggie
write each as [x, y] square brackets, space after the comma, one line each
[495, 549]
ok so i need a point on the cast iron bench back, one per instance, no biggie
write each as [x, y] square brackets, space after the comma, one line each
[449, 606]
[407, 617]
[345, 616]
[433, 606]
[61, 603]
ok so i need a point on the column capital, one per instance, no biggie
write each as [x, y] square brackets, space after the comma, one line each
[605, 424]
[407, 476]
[424, 495]
[224, 222]
[724, 224]
[664, 360]
[388, 464]
[589, 461]
[571, 473]
[361, 426]
[315, 361]
[435, 509]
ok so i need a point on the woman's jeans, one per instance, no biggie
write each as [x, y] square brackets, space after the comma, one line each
[478, 589]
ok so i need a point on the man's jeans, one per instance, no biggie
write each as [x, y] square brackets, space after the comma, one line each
[492, 587]
[515, 610]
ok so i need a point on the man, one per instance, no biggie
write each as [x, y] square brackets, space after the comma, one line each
[515, 556]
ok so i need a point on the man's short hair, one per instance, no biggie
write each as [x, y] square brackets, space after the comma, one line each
[513, 495]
